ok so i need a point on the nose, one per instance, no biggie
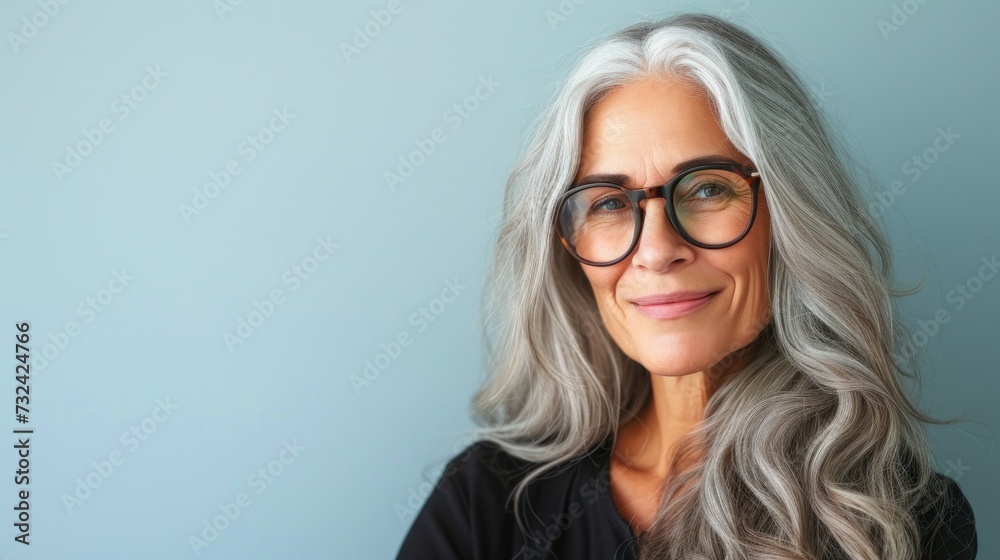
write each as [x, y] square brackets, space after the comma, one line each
[659, 247]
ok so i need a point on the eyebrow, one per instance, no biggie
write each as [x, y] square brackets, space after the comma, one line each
[626, 181]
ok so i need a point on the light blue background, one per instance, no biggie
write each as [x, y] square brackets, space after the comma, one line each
[366, 454]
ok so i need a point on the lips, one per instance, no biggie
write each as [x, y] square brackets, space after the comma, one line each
[673, 305]
[673, 297]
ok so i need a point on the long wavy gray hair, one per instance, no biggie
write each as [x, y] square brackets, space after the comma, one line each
[813, 449]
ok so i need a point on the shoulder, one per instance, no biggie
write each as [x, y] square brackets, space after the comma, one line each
[486, 459]
[946, 521]
[467, 514]
[482, 471]
[486, 473]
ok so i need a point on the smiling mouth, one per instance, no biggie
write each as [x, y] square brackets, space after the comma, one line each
[674, 310]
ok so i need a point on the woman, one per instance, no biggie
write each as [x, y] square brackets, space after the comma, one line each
[696, 341]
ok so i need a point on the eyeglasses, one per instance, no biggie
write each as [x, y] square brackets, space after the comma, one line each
[710, 206]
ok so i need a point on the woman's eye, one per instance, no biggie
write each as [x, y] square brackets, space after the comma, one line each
[608, 204]
[710, 190]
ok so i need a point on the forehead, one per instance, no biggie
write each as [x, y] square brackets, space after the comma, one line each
[651, 123]
[672, 98]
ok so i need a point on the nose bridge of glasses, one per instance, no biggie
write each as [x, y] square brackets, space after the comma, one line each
[645, 194]
[649, 194]
[639, 195]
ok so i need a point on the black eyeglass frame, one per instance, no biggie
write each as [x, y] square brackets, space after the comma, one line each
[666, 192]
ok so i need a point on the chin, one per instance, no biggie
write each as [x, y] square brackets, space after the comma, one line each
[676, 354]
[677, 361]
[673, 372]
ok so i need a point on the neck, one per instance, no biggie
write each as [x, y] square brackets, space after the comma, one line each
[647, 443]
[676, 406]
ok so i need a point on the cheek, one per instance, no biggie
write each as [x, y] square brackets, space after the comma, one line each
[761, 259]
[751, 299]
[744, 267]
[752, 260]
[603, 283]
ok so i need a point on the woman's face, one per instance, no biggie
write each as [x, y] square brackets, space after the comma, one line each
[646, 131]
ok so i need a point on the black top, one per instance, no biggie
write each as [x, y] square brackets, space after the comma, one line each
[571, 514]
